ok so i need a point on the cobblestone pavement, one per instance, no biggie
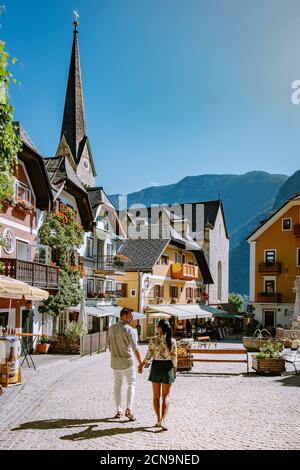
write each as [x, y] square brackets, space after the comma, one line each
[67, 404]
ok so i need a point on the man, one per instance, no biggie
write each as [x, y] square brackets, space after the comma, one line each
[121, 341]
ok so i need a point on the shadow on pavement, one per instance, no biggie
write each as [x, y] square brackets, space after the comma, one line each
[89, 432]
[290, 381]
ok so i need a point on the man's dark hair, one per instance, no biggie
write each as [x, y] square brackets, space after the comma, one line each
[125, 311]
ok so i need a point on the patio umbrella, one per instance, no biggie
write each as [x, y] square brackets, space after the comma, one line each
[82, 317]
[14, 289]
[296, 315]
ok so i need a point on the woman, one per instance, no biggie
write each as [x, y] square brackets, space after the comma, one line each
[163, 350]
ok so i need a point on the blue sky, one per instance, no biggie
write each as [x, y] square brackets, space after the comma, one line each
[172, 88]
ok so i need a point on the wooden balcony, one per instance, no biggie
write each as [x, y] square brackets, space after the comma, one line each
[108, 265]
[35, 274]
[268, 297]
[184, 271]
[297, 230]
[274, 268]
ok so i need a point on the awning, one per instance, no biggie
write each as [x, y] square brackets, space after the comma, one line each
[182, 311]
[14, 289]
[101, 311]
[92, 311]
[115, 311]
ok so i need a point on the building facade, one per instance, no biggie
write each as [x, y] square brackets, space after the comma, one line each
[20, 256]
[274, 264]
[160, 271]
[202, 222]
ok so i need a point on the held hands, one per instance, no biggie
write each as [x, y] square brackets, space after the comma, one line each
[141, 368]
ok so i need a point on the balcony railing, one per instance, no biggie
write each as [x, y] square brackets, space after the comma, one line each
[35, 274]
[297, 230]
[184, 271]
[269, 268]
[268, 297]
[108, 264]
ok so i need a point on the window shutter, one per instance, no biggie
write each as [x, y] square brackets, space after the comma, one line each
[124, 289]
[161, 291]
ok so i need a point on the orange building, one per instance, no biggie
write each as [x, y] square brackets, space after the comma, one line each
[274, 264]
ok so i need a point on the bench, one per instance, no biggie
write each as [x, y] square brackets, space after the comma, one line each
[191, 352]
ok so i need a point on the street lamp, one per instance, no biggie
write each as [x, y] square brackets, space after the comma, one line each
[146, 283]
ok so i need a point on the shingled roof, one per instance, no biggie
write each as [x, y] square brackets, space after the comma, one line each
[143, 252]
[62, 176]
[36, 170]
[98, 196]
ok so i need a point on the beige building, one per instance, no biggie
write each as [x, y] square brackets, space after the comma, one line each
[164, 273]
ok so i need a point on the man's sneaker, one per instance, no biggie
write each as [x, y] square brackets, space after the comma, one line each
[118, 414]
[129, 415]
[163, 425]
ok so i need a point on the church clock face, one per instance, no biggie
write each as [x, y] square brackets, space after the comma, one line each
[86, 164]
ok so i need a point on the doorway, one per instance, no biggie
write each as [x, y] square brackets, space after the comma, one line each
[269, 319]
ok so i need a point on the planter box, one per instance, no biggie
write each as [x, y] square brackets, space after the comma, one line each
[270, 366]
[184, 363]
[64, 345]
[43, 348]
[253, 344]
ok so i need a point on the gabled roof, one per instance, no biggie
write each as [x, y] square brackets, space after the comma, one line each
[36, 170]
[63, 177]
[144, 252]
[98, 196]
[211, 209]
[265, 224]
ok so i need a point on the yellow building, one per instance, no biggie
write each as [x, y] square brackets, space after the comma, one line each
[274, 264]
[163, 274]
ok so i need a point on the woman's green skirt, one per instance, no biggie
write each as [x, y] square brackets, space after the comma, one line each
[162, 372]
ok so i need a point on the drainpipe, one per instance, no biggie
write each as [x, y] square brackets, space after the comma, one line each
[141, 303]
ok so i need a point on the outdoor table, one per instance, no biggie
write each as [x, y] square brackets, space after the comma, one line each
[26, 346]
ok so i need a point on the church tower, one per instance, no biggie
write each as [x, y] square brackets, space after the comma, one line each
[74, 143]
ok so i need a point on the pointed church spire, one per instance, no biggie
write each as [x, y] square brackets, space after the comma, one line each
[73, 125]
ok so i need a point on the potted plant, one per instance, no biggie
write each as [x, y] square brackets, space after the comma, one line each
[43, 345]
[120, 259]
[269, 360]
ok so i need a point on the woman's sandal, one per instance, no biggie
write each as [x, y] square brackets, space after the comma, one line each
[129, 415]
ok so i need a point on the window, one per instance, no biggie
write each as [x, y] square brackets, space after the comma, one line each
[270, 256]
[90, 287]
[109, 250]
[132, 293]
[286, 224]
[100, 286]
[174, 292]
[109, 286]
[89, 247]
[158, 291]
[121, 289]
[178, 258]
[22, 250]
[298, 257]
[165, 259]
[189, 292]
[23, 192]
[270, 287]
[3, 319]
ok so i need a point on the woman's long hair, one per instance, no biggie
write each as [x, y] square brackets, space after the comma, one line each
[167, 330]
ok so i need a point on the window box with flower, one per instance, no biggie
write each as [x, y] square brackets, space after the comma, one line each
[24, 205]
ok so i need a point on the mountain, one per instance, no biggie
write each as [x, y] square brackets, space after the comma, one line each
[287, 190]
[247, 199]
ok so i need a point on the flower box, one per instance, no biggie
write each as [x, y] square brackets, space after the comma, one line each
[184, 362]
[272, 366]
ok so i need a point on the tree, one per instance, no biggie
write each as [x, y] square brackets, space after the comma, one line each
[10, 142]
[64, 235]
[237, 300]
